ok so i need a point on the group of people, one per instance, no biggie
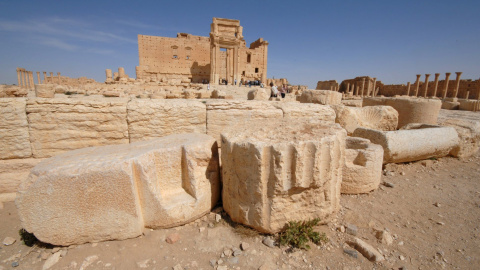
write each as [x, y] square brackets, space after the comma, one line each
[250, 83]
[275, 90]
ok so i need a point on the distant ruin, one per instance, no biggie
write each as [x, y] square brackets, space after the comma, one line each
[189, 58]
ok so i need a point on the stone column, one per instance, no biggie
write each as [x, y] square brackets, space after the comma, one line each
[374, 84]
[59, 80]
[108, 73]
[363, 85]
[368, 88]
[408, 88]
[426, 85]
[45, 77]
[51, 77]
[447, 76]
[38, 77]
[348, 88]
[357, 91]
[457, 83]
[418, 84]
[467, 95]
[32, 83]
[18, 77]
[24, 78]
[436, 84]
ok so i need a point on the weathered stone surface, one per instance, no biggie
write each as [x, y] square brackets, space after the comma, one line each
[417, 143]
[362, 171]
[148, 119]
[12, 91]
[278, 171]
[112, 192]
[60, 125]
[469, 136]
[352, 102]
[450, 105]
[222, 114]
[469, 105]
[374, 117]
[218, 94]
[306, 110]
[14, 135]
[259, 94]
[13, 172]
[44, 90]
[410, 110]
[324, 97]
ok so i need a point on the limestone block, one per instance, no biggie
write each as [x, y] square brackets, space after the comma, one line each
[12, 91]
[374, 117]
[469, 136]
[410, 110]
[222, 114]
[324, 97]
[218, 94]
[189, 94]
[45, 90]
[469, 105]
[14, 171]
[14, 135]
[259, 94]
[148, 119]
[418, 143]
[306, 110]
[362, 171]
[352, 102]
[60, 125]
[113, 192]
[278, 171]
[450, 105]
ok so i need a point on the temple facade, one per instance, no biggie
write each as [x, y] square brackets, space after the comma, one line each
[223, 56]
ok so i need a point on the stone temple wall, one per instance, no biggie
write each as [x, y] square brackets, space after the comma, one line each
[33, 129]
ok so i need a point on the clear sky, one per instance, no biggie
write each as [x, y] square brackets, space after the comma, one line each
[308, 40]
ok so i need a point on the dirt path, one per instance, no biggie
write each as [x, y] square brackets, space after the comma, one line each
[432, 213]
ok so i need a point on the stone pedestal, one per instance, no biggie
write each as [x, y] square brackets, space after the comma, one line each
[270, 180]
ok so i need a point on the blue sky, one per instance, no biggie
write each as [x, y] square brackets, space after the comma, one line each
[309, 40]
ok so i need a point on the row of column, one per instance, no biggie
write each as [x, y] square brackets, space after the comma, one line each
[357, 91]
[445, 87]
[25, 78]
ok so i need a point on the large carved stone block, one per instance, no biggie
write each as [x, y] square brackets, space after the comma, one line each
[148, 119]
[362, 171]
[278, 171]
[324, 97]
[14, 135]
[60, 125]
[294, 110]
[374, 117]
[113, 192]
[259, 94]
[222, 114]
[468, 133]
[45, 90]
[410, 110]
[417, 142]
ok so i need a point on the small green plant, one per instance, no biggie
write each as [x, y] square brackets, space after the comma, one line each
[28, 239]
[299, 233]
[68, 93]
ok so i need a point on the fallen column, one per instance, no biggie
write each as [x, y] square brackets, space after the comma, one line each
[418, 142]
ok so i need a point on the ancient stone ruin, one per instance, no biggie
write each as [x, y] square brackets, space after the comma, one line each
[88, 161]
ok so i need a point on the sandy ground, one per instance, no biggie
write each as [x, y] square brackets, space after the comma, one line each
[432, 212]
